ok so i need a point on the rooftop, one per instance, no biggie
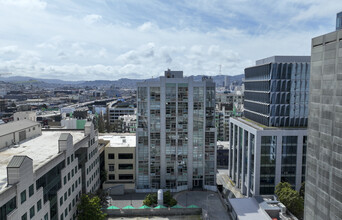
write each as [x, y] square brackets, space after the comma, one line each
[14, 126]
[247, 209]
[284, 59]
[120, 140]
[259, 126]
[40, 149]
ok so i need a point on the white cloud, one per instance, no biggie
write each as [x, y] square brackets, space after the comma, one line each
[91, 19]
[103, 40]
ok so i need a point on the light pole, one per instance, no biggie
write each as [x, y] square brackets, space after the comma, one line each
[208, 204]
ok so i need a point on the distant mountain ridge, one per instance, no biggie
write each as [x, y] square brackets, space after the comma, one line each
[123, 82]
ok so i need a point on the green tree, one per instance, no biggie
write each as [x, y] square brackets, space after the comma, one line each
[290, 198]
[89, 208]
[101, 124]
[152, 199]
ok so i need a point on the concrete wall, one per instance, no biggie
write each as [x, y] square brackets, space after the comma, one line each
[11, 138]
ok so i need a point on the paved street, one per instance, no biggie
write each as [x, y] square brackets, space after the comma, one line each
[222, 178]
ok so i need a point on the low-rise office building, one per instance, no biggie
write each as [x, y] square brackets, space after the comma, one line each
[120, 161]
[43, 177]
[13, 133]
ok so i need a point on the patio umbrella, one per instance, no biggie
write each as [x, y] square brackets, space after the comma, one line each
[128, 207]
[160, 207]
[177, 206]
[192, 206]
[113, 207]
[145, 207]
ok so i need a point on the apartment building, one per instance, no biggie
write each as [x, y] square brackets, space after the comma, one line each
[43, 177]
[176, 134]
[120, 161]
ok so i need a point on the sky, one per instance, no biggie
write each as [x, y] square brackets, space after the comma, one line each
[113, 39]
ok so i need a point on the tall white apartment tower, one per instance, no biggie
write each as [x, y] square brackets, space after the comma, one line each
[176, 135]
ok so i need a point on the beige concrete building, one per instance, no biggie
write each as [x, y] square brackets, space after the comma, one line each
[29, 115]
[13, 133]
[120, 161]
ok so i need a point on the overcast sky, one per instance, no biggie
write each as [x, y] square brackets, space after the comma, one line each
[89, 40]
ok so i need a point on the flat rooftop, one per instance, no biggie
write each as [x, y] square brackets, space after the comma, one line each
[40, 149]
[120, 140]
[259, 126]
[284, 59]
[14, 126]
[248, 209]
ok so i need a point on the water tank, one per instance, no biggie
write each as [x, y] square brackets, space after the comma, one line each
[160, 197]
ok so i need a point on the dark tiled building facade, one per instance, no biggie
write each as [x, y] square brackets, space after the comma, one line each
[323, 190]
[276, 91]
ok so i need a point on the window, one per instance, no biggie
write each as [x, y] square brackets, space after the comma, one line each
[125, 166]
[76, 169]
[125, 176]
[68, 159]
[72, 157]
[64, 180]
[66, 212]
[69, 206]
[31, 212]
[69, 191]
[125, 156]
[24, 216]
[111, 156]
[23, 196]
[111, 177]
[61, 201]
[72, 173]
[62, 217]
[39, 205]
[46, 216]
[111, 167]
[68, 176]
[31, 190]
[65, 196]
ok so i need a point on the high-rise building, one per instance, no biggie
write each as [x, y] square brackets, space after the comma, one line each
[339, 21]
[323, 190]
[268, 145]
[277, 91]
[176, 135]
[226, 82]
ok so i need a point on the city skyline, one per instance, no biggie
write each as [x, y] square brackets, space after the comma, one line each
[112, 40]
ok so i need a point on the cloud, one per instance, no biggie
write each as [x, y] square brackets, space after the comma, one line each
[115, 39]
[92, 18]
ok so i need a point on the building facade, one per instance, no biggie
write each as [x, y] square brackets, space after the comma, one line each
[323, 191]
[277, 91]
[44, 177]
[176, 135]
[268, 145]
[120, 161]
[260, 157]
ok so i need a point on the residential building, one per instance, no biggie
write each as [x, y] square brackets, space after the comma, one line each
[43, 178]
[120, 161]
[323, 191]
[176, 135]
[269, 145]
[29, 115]
[13, 133]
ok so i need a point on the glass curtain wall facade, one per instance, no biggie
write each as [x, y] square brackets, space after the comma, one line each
[277, 94]
[289, 160]
[177, 106]
[268, 164]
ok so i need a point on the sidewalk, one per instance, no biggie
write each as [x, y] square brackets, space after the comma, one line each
[222, 177]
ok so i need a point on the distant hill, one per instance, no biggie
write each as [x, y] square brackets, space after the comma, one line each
[123, 82]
